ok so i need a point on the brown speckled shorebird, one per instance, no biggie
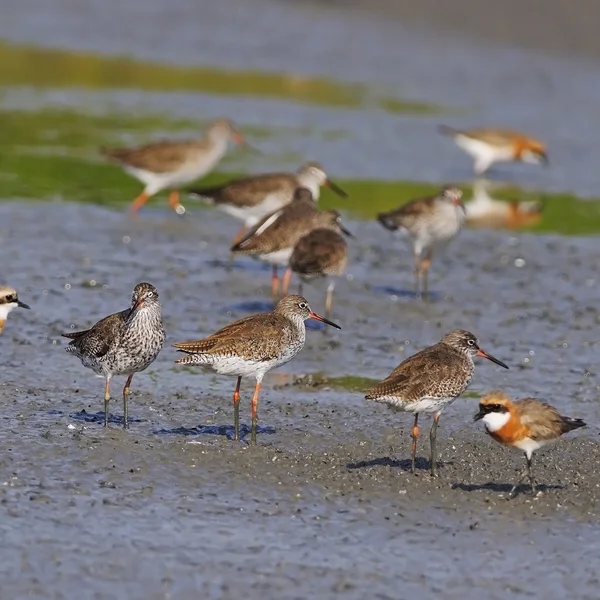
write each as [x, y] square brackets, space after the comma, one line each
[253, 346]
[252, 198]
[525, 425]
[429, 222]
[488, 145]
[9, 300]
[430, 380]
[123, 343]
[321, 253]
[173, 164]
[272, 239]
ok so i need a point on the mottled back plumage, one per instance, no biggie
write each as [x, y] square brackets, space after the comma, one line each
[282, 228]
[166, 156]
[321, 252]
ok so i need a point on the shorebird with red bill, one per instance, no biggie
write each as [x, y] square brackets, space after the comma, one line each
[252, 347]
[526, 425]
[9, 300]
[430, 380]
[252, 198]
[430, 223]
[172, 164]
[488, 146]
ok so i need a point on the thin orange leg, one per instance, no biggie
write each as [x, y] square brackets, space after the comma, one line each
[415, 437]
[254, 414]
[125, 409]
[106, 401]
[138, 203]
[236, 410]
[425, 264]
[287, 276]
[275, 284]
[174, 202]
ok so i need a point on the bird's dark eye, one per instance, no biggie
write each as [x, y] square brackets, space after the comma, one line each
[303, 305]
[150, 294]
[471, 342]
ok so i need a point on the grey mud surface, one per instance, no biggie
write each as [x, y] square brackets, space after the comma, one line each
[324, 506]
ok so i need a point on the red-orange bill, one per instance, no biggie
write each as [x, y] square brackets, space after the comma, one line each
[317, 317]
[484, 354]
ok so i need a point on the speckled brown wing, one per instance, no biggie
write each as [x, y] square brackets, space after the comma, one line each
[320, 252]
[97, 340]
[543, 420]
[280, 229]
[436, 371]
[250, 337]
[406, 215]
[249, 191]
[159, 157]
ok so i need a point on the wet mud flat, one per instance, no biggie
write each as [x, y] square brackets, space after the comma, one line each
[324, 505]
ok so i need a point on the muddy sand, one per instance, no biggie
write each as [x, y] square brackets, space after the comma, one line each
[324, 506]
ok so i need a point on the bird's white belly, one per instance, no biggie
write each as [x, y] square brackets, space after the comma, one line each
[279, 258]
[251, 215]
[427, 404]
[155, 182]
[234, 365]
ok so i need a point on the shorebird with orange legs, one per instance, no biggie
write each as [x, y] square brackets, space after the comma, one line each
[272, 239]
[253, 346]
[430, 380]
[488, 146]
[430, 223]
[174, 164]
[526, 425]
[252, 198]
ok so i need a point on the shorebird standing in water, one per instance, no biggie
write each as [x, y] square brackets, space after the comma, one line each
[9, 300]
[253, 198]
[174, 164]
[488, 146]
[253, 346]
[272, 239]
[429, 222]
[526, 425]
[321, 253]
[430, 380]
[124, 343]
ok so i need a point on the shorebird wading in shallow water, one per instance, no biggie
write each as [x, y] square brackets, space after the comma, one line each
[9, 300]
[525, 425]
[429, 381]
[173, 164]
[321, 253]
[253, 346]
[429, 222]
[123, 343]
[272, 239]
[489, 146]
[253, 198]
